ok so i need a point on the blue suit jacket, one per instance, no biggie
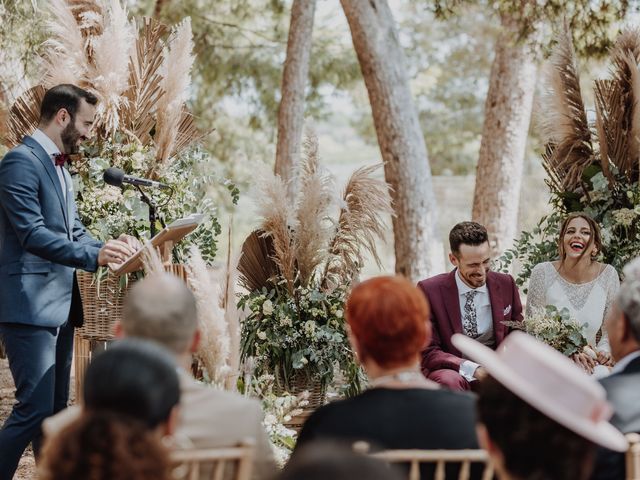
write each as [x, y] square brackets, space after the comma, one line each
[42, 240]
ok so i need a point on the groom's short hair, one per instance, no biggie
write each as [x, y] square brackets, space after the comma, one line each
[65, 96]
[467, 233]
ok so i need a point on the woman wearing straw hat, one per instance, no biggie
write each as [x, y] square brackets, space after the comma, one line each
[539, 414]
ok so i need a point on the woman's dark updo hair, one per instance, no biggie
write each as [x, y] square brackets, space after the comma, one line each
[129, 390]
[534, 447]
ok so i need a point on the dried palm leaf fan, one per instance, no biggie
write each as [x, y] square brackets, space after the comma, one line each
[256, 266]
[145, 79]
[618, 101]
[569, 147]
[141, 75]
[24, 115]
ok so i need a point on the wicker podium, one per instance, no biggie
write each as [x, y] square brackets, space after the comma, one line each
[102, 299]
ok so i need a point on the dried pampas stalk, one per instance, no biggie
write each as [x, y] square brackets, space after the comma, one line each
[277, 222]
[151, 261]
[109, 74]
[603, 143]
[65, 58]
[175, 83]
[366, 201]
[315, 199]
[564, 119]
[232, 316]
[215, 343]
[24, 115]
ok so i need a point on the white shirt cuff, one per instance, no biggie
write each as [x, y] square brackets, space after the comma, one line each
[467, 369]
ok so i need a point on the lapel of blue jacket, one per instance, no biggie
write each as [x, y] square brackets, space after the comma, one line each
[50, 168]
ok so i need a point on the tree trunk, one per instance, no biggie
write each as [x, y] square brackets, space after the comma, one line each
[504, 137]
[294, 80]
[157, 9]
[418, 247]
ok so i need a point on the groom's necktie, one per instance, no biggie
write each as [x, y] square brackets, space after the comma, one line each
[469, 319]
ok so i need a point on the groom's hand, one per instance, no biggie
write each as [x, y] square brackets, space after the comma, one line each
[480, 373]
[604, 358]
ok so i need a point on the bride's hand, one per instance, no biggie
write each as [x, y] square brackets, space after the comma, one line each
[604, 358]
[585, 361]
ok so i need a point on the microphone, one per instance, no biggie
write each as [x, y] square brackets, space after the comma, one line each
[116, 177]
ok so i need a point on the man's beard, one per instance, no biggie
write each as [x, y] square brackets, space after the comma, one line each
[69, 137]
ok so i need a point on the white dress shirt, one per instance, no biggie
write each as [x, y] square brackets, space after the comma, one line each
[484, 318]
[52, 149]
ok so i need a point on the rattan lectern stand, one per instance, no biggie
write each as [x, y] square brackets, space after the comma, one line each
[102, 299]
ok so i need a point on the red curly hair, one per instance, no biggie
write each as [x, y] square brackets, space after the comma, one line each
[389, 317]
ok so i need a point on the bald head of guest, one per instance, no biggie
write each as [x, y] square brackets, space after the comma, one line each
[163, 309]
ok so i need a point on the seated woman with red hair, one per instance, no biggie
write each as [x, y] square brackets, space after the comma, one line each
[389, 328]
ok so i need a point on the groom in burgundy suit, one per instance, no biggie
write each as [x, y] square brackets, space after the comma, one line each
[471, 300]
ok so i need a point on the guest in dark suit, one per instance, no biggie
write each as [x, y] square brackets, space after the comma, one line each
[401, 409]
[42, 243]
[471, 300]
[623, 385]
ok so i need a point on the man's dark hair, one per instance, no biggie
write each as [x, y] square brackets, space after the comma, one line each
[133, 378]
[468, 233]
[65, 96]
[533, 445]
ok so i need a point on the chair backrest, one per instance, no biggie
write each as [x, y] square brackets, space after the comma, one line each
[438, 457]
[633, 457]
[222, 463]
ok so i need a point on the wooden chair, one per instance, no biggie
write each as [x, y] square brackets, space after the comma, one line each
[439, 457]
[212, 463]
[633, 457]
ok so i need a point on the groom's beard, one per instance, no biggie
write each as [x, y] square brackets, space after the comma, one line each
[70, 136]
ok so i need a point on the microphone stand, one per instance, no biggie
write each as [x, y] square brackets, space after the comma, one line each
[153, 216]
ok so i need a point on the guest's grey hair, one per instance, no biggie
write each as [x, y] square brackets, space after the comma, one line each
[629, 296]
[161, 308]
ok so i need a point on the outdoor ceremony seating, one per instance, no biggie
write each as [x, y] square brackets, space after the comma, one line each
[223, 463]
[439, 457]
[633, 457]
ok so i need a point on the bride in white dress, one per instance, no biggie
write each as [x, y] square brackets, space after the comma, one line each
[579, 283]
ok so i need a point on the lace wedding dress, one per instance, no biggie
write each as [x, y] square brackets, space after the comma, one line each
[588, 303]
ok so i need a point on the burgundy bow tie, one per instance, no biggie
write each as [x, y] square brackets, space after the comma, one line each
[61, 158]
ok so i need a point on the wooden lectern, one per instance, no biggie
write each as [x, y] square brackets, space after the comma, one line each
[164, 242]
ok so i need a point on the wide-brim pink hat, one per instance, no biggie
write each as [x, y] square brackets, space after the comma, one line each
[549, 382]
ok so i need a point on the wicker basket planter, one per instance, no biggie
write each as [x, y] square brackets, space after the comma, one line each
[298, 384]
[102, 304]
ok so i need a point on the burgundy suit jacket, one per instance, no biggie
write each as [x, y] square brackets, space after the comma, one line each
[442, 293]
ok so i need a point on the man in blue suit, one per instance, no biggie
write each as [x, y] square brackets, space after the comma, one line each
[42, 243]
